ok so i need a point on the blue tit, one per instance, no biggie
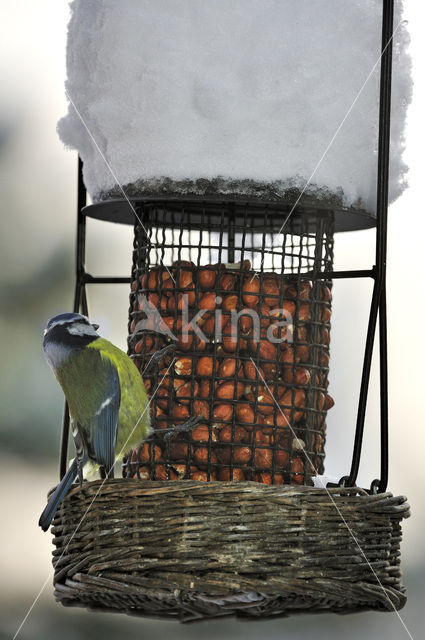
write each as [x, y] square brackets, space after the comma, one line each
[108, 405]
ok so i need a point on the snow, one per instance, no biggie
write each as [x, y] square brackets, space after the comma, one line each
[173, 91]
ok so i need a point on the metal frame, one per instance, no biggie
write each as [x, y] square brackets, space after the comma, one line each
[377, 273]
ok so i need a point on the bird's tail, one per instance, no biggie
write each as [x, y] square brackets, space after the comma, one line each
[57, 497]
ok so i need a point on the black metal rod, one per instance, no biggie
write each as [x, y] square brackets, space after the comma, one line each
[383, 372]
[231, 234]
[381, 249]
[327, 275]
[80, 299]
[89, 279]
[355, 273]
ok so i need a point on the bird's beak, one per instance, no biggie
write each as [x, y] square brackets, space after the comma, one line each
[95, 326]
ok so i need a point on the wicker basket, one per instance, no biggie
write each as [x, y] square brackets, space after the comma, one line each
[194, 550]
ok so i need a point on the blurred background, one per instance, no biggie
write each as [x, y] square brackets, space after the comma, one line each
[38, 185]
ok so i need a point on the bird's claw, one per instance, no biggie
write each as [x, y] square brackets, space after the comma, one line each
[159, 355]
[80, 472]
[189, 425]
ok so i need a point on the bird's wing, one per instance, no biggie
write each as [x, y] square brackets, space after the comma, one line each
[103, 425]
[95, 404]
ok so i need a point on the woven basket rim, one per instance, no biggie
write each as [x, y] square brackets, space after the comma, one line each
[248, 486]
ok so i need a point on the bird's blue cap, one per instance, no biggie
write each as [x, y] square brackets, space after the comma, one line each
[66, 318]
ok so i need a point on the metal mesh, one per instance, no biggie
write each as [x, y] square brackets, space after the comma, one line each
[247, 308]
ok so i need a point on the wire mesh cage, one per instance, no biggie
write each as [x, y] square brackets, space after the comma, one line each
[243, 300]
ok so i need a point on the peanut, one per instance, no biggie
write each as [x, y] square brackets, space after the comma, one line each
[270, 292]
[266, 404]
[202, 476]
[181, 470]
[146, 451]
[253, 371]
[207, 277]
[281, 458]
[285, 403]
[259, 437]
[208, 301]
[304, 312]
[228, 367]
[303, 353]
[205, 389]
[160, 473]
[250, 291]
[299, 290]
[300, 377]
[223, 412]
[153, 279]
[166, 285]
[230, 303]
[263, 457]
[298, 444]
[164, 378]
[161, 421]
[241, 455]
[264, 313]
[201, 408]
[180, 411]
[244, 413]
[236, 475]
[270, 370]
[227, 282]
[266, 350]
[183, 366]
[178, 450]
[143, 279]
[329, 402]
[201, 433]
[142, 473]
[238, 434]
[185, 279]
[245, 321]
[229, 339]
[324, 358]
[297, 471]
[203, 457]
[138, 347]
[324, 336]
[162, 397]
[200, 344]
[319, 400]
[205, 366]
[326, 293]
[177, 383]
[325, 314]
[265, 477]
[187, 391]
[230, 390]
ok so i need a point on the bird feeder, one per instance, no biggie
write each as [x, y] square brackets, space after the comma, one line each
[235, 292]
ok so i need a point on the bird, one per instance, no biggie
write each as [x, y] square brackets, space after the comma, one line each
[107, 401]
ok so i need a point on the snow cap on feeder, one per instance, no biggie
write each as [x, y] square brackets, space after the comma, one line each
[240, 98]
